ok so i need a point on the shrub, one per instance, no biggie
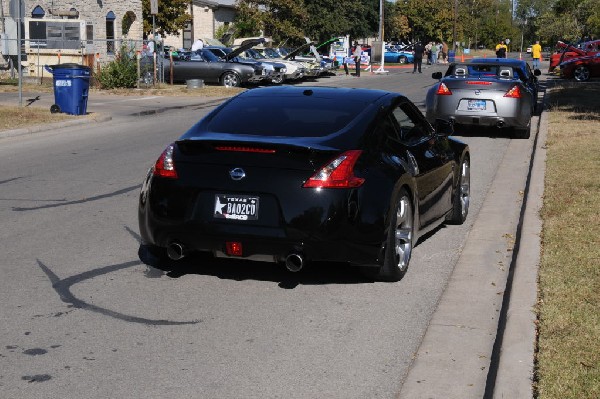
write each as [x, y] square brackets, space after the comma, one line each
[122, 72]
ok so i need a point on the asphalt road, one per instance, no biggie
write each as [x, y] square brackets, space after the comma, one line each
[81, 316]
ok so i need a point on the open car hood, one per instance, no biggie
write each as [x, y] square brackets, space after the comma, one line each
[247, 44]
[297, 51]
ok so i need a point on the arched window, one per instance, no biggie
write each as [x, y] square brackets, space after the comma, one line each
[110, 32]
[38, 12]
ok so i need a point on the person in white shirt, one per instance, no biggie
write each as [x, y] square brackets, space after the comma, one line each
[198, 45]
[357, 54]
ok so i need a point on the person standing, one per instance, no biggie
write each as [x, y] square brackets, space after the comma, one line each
[434, 53]
[357, 54]
[501, 49]
[536, 53]
[418, 56]
[198, 45]
[428, 52]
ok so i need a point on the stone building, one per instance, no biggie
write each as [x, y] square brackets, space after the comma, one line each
[59, 31]
[208, 16]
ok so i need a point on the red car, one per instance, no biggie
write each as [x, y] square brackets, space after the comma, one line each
[581, 68]
[565, 52]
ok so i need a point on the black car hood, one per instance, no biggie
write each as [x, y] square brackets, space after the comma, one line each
[297, 51]
[247, 44]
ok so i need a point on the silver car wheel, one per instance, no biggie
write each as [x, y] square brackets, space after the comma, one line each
[404, 233]
[402, 60]
[581, 73]
[231, 79]
[465, 189]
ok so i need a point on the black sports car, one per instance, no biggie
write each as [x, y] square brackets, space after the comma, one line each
[326, 174]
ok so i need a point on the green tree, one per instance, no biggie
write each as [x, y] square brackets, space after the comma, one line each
[320, 20]
[171, 18]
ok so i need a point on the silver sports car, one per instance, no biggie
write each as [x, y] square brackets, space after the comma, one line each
[488, 92]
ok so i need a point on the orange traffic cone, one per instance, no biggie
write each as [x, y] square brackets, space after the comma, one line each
[462, 57]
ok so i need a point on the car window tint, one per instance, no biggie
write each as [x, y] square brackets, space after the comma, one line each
[412, 128]
[290, 117]
[385, 133]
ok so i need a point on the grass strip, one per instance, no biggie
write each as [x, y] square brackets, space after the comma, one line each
[18, 117]
[568, 357]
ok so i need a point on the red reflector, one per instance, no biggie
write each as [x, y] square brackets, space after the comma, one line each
[233, 248]
[443, 90]
[245, 149]
[514, 92]
[477, 82]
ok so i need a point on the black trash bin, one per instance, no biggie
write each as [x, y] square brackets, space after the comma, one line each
[71, 86]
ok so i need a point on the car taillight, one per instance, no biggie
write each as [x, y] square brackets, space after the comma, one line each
[164, 166]
[514, 92]
[443, 90]
[338, 173]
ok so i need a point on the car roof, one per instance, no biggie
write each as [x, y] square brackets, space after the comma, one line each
[335, 93]
[323, 117]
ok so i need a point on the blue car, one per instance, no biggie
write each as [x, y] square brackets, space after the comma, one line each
[398, 56]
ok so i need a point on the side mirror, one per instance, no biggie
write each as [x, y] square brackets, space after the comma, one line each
[436, 75]
[443, 127]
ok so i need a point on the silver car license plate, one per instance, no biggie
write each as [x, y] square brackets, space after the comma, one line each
[237, 207]
[476, 105]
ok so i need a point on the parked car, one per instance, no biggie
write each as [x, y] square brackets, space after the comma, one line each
[566, 51]
[486, 92]
[275, 71]
[313, 67]
[398, 56]
[203, 64]
[295, 70]
[297, 174]
[582, 68]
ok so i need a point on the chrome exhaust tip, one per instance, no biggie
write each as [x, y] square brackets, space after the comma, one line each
[175, 251]
[294, 262]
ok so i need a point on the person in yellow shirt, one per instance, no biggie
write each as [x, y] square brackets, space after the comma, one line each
[536, 53]
[501, 50]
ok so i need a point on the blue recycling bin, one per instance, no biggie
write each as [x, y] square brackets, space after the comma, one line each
[451, 56]
[71, 86]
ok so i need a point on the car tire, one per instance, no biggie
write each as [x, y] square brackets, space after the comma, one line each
[230, 79]
[581, 73]
[402, 59]
[462, 195]
[399, 242]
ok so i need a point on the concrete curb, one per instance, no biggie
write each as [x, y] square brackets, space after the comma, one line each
[514, 378]
[40, 128]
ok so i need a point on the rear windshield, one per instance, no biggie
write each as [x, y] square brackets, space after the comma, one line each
[287, 116]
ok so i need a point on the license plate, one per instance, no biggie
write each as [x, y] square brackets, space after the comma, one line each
[236, 207]
[476, 105]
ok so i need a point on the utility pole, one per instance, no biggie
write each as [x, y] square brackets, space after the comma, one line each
[454, 25]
